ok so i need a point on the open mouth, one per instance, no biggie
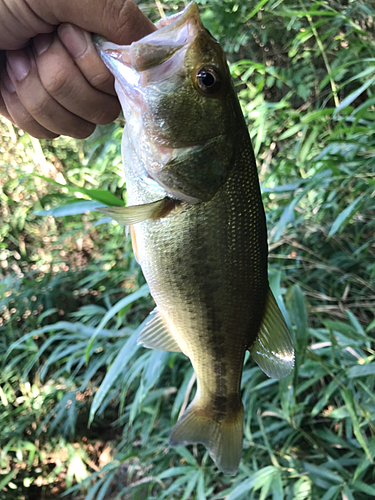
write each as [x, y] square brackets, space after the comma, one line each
[147, 72]
[174, 33]
[157, 58]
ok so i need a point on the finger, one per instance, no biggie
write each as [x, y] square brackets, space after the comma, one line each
[18, 23]
[80, 47]
[42, 107]
[16, 112]
[3, 108]
[64, 82]
[121, 21]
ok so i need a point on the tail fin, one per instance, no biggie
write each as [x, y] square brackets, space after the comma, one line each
[222, 438]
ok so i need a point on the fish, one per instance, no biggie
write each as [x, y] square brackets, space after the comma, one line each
[197, 223]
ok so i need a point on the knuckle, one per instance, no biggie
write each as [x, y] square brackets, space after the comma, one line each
[38, 108]
[101, 81]
[57, 84]
[130, 21]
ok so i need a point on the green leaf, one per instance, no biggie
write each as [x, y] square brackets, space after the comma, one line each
[123, 357]
[314, 115]
[177, 471]
[185, 453]
[277, 486]
[323, 473]
[361, 370]
[344, 215]
[8, 478]
[129, 299]
[353, 96]
[78, 207]
[348, 493]
[288, 215]
[157, 362]
[256, 481]
[200, 488]
[331, 493]
[298, 315]
[354, 321]
[350, 405]
[365, 488]
[291, 131]
[191, 485]
[258, 6]
[104, 197]
[100, 195]
[106, 485]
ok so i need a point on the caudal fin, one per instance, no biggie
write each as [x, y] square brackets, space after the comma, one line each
[222, 437]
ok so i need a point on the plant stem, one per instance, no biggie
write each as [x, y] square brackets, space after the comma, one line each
[324, 55]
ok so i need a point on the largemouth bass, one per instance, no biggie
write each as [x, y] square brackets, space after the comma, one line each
[197, 223]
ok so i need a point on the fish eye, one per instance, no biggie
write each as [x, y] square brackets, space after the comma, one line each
[208, 80]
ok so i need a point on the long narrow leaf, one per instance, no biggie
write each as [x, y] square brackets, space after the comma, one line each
[126, 353]
[129, 299]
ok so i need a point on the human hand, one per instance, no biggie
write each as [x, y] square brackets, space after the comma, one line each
[52, 80]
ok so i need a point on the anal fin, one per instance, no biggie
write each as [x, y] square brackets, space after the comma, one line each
[156, 335]
[273, 350]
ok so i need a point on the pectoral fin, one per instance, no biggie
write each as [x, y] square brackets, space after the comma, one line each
[156, 335]
[127, 216]
[273, 350]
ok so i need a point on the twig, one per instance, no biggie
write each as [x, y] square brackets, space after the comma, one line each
[160, 8]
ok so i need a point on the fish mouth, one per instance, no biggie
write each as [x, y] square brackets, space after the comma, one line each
[145, 73]
[173, 33]
[156, 57]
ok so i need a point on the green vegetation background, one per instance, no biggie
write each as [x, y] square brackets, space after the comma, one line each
[72, 296]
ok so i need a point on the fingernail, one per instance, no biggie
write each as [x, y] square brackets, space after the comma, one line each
[20, 63]
[8, 84]
[43, 43]
[74, 40]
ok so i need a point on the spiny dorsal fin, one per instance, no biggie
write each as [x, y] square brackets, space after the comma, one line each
[273, 350]
[126, 216]
[155, 334]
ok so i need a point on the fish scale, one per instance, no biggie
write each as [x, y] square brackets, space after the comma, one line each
[225, 240]
[198, 223]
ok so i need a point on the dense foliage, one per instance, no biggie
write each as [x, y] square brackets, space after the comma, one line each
[72, 296]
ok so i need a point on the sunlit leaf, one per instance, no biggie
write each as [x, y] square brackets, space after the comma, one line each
[79, 207]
